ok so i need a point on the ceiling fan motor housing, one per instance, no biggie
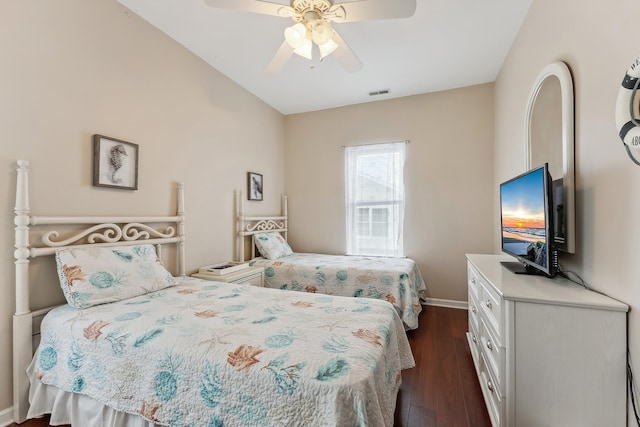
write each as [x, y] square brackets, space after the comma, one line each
[313, 10]
[302, 6]
[313, 19]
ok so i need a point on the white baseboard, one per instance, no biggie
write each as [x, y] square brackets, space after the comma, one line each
[461, 305]
[6, 417]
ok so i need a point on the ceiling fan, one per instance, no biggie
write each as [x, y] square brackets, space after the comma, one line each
[312, 36]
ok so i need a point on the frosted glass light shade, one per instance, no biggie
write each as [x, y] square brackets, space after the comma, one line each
[321, 32]
[327, 48]
[305, 49]
[295, 35]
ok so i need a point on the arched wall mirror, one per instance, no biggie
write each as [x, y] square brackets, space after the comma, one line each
[549, 127]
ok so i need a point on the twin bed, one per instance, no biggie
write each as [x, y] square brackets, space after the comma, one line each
[396, 280]
[137, 346]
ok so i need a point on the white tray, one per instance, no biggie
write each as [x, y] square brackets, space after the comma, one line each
[223, 268]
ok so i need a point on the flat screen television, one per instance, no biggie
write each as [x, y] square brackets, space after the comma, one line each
[526, 217]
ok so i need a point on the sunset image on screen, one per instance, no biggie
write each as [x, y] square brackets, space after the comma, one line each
[523, 219]
[522, 205]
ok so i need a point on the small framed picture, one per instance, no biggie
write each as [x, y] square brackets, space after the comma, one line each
[254, 181]
[115, 163]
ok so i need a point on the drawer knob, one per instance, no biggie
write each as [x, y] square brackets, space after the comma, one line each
[473, 280]
[489, 345]
[474, 309]
[490, 385]
[489, 305]
[474, 339]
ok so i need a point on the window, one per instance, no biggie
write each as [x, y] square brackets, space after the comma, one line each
[374, 196]
[373, 221]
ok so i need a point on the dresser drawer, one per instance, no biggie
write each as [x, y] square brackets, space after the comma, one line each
[473, 279]
[474, 311]
[492, 397]
[491, 306]
[253, 280]
[493, 354]
[253, 276]
[473, 337]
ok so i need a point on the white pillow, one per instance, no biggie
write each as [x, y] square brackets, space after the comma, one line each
[272, 245]
[98, 275]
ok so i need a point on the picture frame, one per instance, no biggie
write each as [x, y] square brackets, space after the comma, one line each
[254, 186]
[115, 163]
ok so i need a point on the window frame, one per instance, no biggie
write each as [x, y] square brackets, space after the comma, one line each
[395, 204]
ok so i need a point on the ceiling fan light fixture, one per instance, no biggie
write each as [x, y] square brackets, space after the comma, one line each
[305, 49]
[295, 35]
[321, 32]
[327, 48]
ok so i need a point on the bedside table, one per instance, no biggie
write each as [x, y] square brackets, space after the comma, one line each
[253, 276]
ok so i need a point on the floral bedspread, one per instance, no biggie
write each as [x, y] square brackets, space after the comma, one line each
[397, 280]
[211, 353]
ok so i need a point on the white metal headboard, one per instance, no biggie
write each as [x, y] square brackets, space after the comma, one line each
[96, 231]
[252, 225]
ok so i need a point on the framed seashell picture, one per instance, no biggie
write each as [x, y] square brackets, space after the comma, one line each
[115, 163]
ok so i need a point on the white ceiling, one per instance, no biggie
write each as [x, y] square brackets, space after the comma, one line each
[446, 44]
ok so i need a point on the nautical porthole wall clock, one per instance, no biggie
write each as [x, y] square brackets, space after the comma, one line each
[628, 111]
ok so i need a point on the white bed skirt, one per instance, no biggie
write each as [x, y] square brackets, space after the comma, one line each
[77, 409]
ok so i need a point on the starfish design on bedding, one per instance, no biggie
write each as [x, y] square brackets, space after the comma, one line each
[339, 322]
[78, 317]
[191, 306]
[220, 338]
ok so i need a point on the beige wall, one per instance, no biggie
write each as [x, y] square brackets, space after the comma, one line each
[72, 68]
[598, 42]
[448, 177]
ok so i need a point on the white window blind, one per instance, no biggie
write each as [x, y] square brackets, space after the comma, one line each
[374, 198]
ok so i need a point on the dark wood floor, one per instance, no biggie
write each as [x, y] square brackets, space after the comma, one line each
[442, 390]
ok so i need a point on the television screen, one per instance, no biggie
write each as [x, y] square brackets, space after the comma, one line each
[526, 221]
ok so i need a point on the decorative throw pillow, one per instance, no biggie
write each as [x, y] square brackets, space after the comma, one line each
[91, 276]
[272, 245]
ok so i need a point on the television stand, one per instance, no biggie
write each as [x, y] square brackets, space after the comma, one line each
[546, 352]
[520, 268]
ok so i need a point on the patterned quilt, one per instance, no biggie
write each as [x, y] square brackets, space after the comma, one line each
[211, 353]
[397, 280]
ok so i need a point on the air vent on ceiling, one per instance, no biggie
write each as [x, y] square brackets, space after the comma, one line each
[379, 92]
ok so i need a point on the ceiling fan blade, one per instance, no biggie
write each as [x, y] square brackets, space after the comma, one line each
[279, 60]
[370, 10]
[254, 6]
[345, 55]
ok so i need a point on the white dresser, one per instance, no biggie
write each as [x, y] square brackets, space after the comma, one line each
[547, 351]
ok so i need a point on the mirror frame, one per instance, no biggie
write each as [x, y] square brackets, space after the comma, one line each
[560, 70]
